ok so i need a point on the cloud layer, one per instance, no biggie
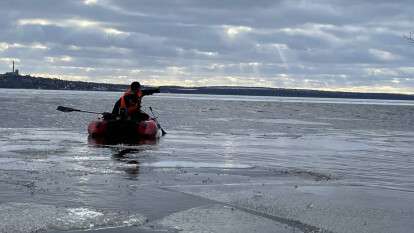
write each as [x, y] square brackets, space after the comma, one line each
[332, 45]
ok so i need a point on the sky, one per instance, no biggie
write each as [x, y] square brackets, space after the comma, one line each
[326, 45]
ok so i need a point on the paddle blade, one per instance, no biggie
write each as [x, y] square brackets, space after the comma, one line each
[66, 109]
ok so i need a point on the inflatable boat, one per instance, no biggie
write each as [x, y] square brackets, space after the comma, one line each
[124, 129]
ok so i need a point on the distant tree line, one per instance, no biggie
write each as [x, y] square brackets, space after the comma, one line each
[283, 92]
[13, 80]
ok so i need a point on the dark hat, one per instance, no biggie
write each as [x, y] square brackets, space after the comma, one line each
[135, 86]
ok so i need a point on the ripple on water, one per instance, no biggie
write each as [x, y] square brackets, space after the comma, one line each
[32, 217]
[189, 164]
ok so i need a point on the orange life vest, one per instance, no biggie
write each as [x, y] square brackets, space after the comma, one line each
[130, 109]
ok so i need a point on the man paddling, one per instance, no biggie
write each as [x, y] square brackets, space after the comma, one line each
[129, 105]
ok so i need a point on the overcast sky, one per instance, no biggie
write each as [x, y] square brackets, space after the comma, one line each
[333, 45]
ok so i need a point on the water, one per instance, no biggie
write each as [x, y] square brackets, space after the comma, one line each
[274, 159]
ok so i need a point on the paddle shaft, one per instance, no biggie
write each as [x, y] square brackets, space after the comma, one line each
[155, 118]
[100, 113]
[67, 109]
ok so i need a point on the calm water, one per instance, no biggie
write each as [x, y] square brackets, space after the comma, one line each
[47, 164]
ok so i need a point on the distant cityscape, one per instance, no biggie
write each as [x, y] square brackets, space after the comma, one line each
[14, 80]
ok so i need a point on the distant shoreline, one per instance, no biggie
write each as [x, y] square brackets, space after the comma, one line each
[16, 81]
[282, 92]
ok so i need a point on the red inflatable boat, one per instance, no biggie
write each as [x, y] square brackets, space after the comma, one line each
[128, 129]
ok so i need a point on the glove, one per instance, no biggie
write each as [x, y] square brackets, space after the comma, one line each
[108, 116]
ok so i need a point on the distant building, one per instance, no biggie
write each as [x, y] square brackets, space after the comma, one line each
[14, 72]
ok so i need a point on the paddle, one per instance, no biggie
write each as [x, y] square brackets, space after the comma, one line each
[155, 118]
[67, 109]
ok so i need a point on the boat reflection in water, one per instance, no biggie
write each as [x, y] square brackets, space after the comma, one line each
[134, 141]
[127, 151]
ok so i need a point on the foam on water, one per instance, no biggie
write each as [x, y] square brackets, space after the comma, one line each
[32, 217]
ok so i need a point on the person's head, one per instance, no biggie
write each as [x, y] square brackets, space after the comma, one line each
[135, 86]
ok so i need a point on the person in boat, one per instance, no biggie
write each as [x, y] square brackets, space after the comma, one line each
[129, 105]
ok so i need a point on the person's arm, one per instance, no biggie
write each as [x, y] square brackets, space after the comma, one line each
[115, 110]
[150, 91]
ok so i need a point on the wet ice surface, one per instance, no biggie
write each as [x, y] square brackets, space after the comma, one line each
[227, 164]
[331, 208]
[32, 217]
[219, 218]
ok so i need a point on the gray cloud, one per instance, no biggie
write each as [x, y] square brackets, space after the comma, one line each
[338, 45]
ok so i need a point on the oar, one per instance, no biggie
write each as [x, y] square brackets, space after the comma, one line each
[155, 118]
[67, 109]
